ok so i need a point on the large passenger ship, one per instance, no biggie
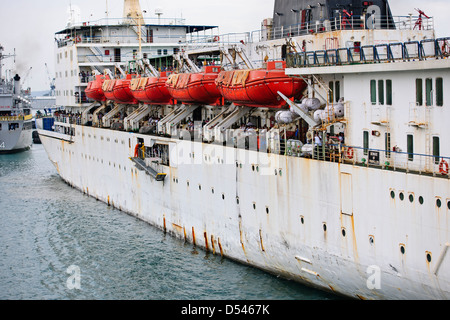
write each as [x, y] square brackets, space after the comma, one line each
[314, 148]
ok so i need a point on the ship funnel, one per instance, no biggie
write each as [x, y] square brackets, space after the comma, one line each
[17, 85]
[132, 12]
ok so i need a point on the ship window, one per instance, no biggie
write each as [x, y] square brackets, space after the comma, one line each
[0, 127]
[436, 150]
[419, 92]
[439, 92]
[429, 91]
[366, 142]
[337, 91]
[410, 143]
[331, 92]
[381, 92]
[389, 92]
[373, 91]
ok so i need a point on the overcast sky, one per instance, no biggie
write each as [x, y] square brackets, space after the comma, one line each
[29, 25]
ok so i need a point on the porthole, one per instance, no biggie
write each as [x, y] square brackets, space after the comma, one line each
[429, 257]
[267, 210]
[438, 203]
[187, 182]
[324, 227]
[223, 196]
[371, 240]
[402, 196]
[199, 187]
[302, 220]
[402, 249]
[448, 205]
[392, 194]
[237, 200]
[254, 206]
[421, 200]
[343, 232]
[212, 190]
[411, 198]
[253, 167]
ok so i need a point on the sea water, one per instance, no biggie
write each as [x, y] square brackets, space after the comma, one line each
[59, 244]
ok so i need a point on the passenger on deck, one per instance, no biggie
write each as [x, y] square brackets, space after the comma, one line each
[317, 140]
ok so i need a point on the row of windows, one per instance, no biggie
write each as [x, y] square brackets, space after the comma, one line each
[430, 92]
[59, 56]
[436, 144]
[384, 92]
[381, 92]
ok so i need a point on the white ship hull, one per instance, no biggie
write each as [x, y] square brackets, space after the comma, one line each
[16, 140]
[269, 211]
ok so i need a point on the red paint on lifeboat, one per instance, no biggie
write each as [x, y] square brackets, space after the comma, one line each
[94, 89]
[152, 90]
[196, 88]
[259, 88]
[118, 90]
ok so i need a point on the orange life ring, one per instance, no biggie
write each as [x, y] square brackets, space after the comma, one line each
[443, 167]
[350, 153]
[216, 39]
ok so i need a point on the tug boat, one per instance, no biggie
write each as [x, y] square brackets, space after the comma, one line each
[119, 90]
[94, 89]
[152, 90]
[260, 87]
[196, 88]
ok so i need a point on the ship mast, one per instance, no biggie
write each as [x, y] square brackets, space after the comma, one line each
[132, 14]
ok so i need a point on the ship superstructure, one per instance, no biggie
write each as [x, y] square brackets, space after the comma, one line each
[315, 150]
[86, 49]
[15, 113]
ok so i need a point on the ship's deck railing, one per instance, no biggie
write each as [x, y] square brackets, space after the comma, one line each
[72, 119]
[414, 163]
[314, 27]
[346, 23]
[16, 118]
[391, 52]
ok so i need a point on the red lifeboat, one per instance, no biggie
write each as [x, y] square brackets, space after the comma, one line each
[118, 90]
[196, 88]
[94, 89]
[151, 90]
[259, 88]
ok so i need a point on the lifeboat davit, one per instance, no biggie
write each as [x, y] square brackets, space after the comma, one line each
[260, 87]
[94, 89]
[151, 90]
[196, 88]
[118, 90]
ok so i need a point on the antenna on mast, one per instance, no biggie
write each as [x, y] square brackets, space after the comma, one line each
[107, 12]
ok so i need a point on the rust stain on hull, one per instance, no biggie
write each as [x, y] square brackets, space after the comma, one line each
[206, 241]
[212, 245]
[220, 246]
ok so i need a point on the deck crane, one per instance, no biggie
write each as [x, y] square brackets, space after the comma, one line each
[52, 82]
[26, 76]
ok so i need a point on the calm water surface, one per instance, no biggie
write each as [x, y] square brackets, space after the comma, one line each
[48, 227]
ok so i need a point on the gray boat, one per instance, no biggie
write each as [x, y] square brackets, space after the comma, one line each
[16, 120]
